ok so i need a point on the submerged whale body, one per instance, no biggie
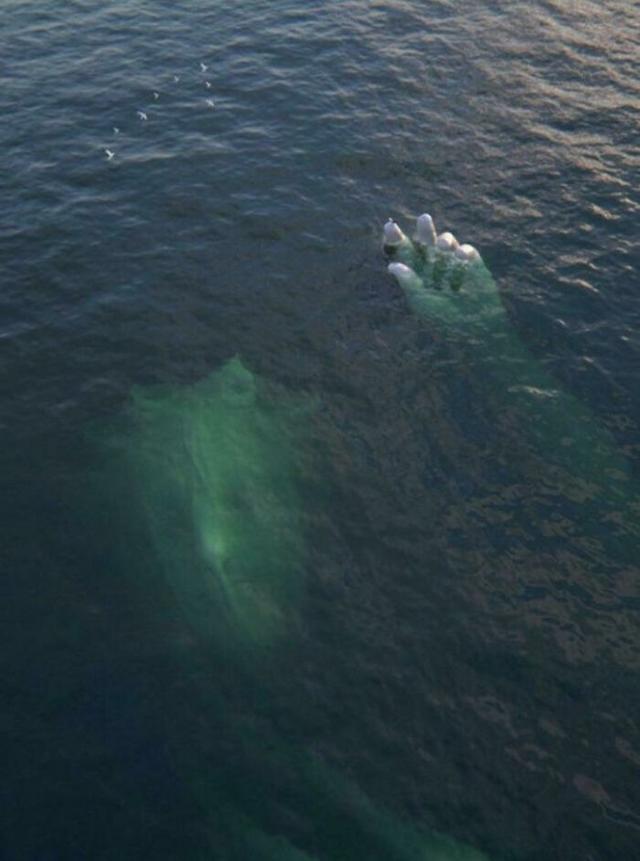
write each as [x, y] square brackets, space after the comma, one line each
[209, 475]
[213, 474]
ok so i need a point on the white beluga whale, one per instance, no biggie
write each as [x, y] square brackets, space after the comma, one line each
[446, 242]
[404, 274]
[426, 231]
[467, 253]
[393, 236]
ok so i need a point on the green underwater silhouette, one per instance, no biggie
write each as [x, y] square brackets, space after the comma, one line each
[208, 481]
[213, 469]
[450, 286]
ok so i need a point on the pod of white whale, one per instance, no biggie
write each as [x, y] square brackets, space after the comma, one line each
[442, 255]
[448, 284]
[426, 238]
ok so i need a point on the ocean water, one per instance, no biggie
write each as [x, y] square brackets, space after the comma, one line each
[289, 570]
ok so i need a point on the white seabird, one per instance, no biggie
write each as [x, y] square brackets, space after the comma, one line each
[110, 154]
[203, 68]
[156, 95]
[116, 130]
[211, 103]
[176, 78]
[142, 115]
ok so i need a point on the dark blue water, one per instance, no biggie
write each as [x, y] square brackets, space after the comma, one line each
[462, 655]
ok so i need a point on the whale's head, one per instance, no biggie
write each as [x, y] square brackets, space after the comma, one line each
[237, 384]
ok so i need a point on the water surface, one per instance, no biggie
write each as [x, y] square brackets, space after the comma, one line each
[464, 660]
